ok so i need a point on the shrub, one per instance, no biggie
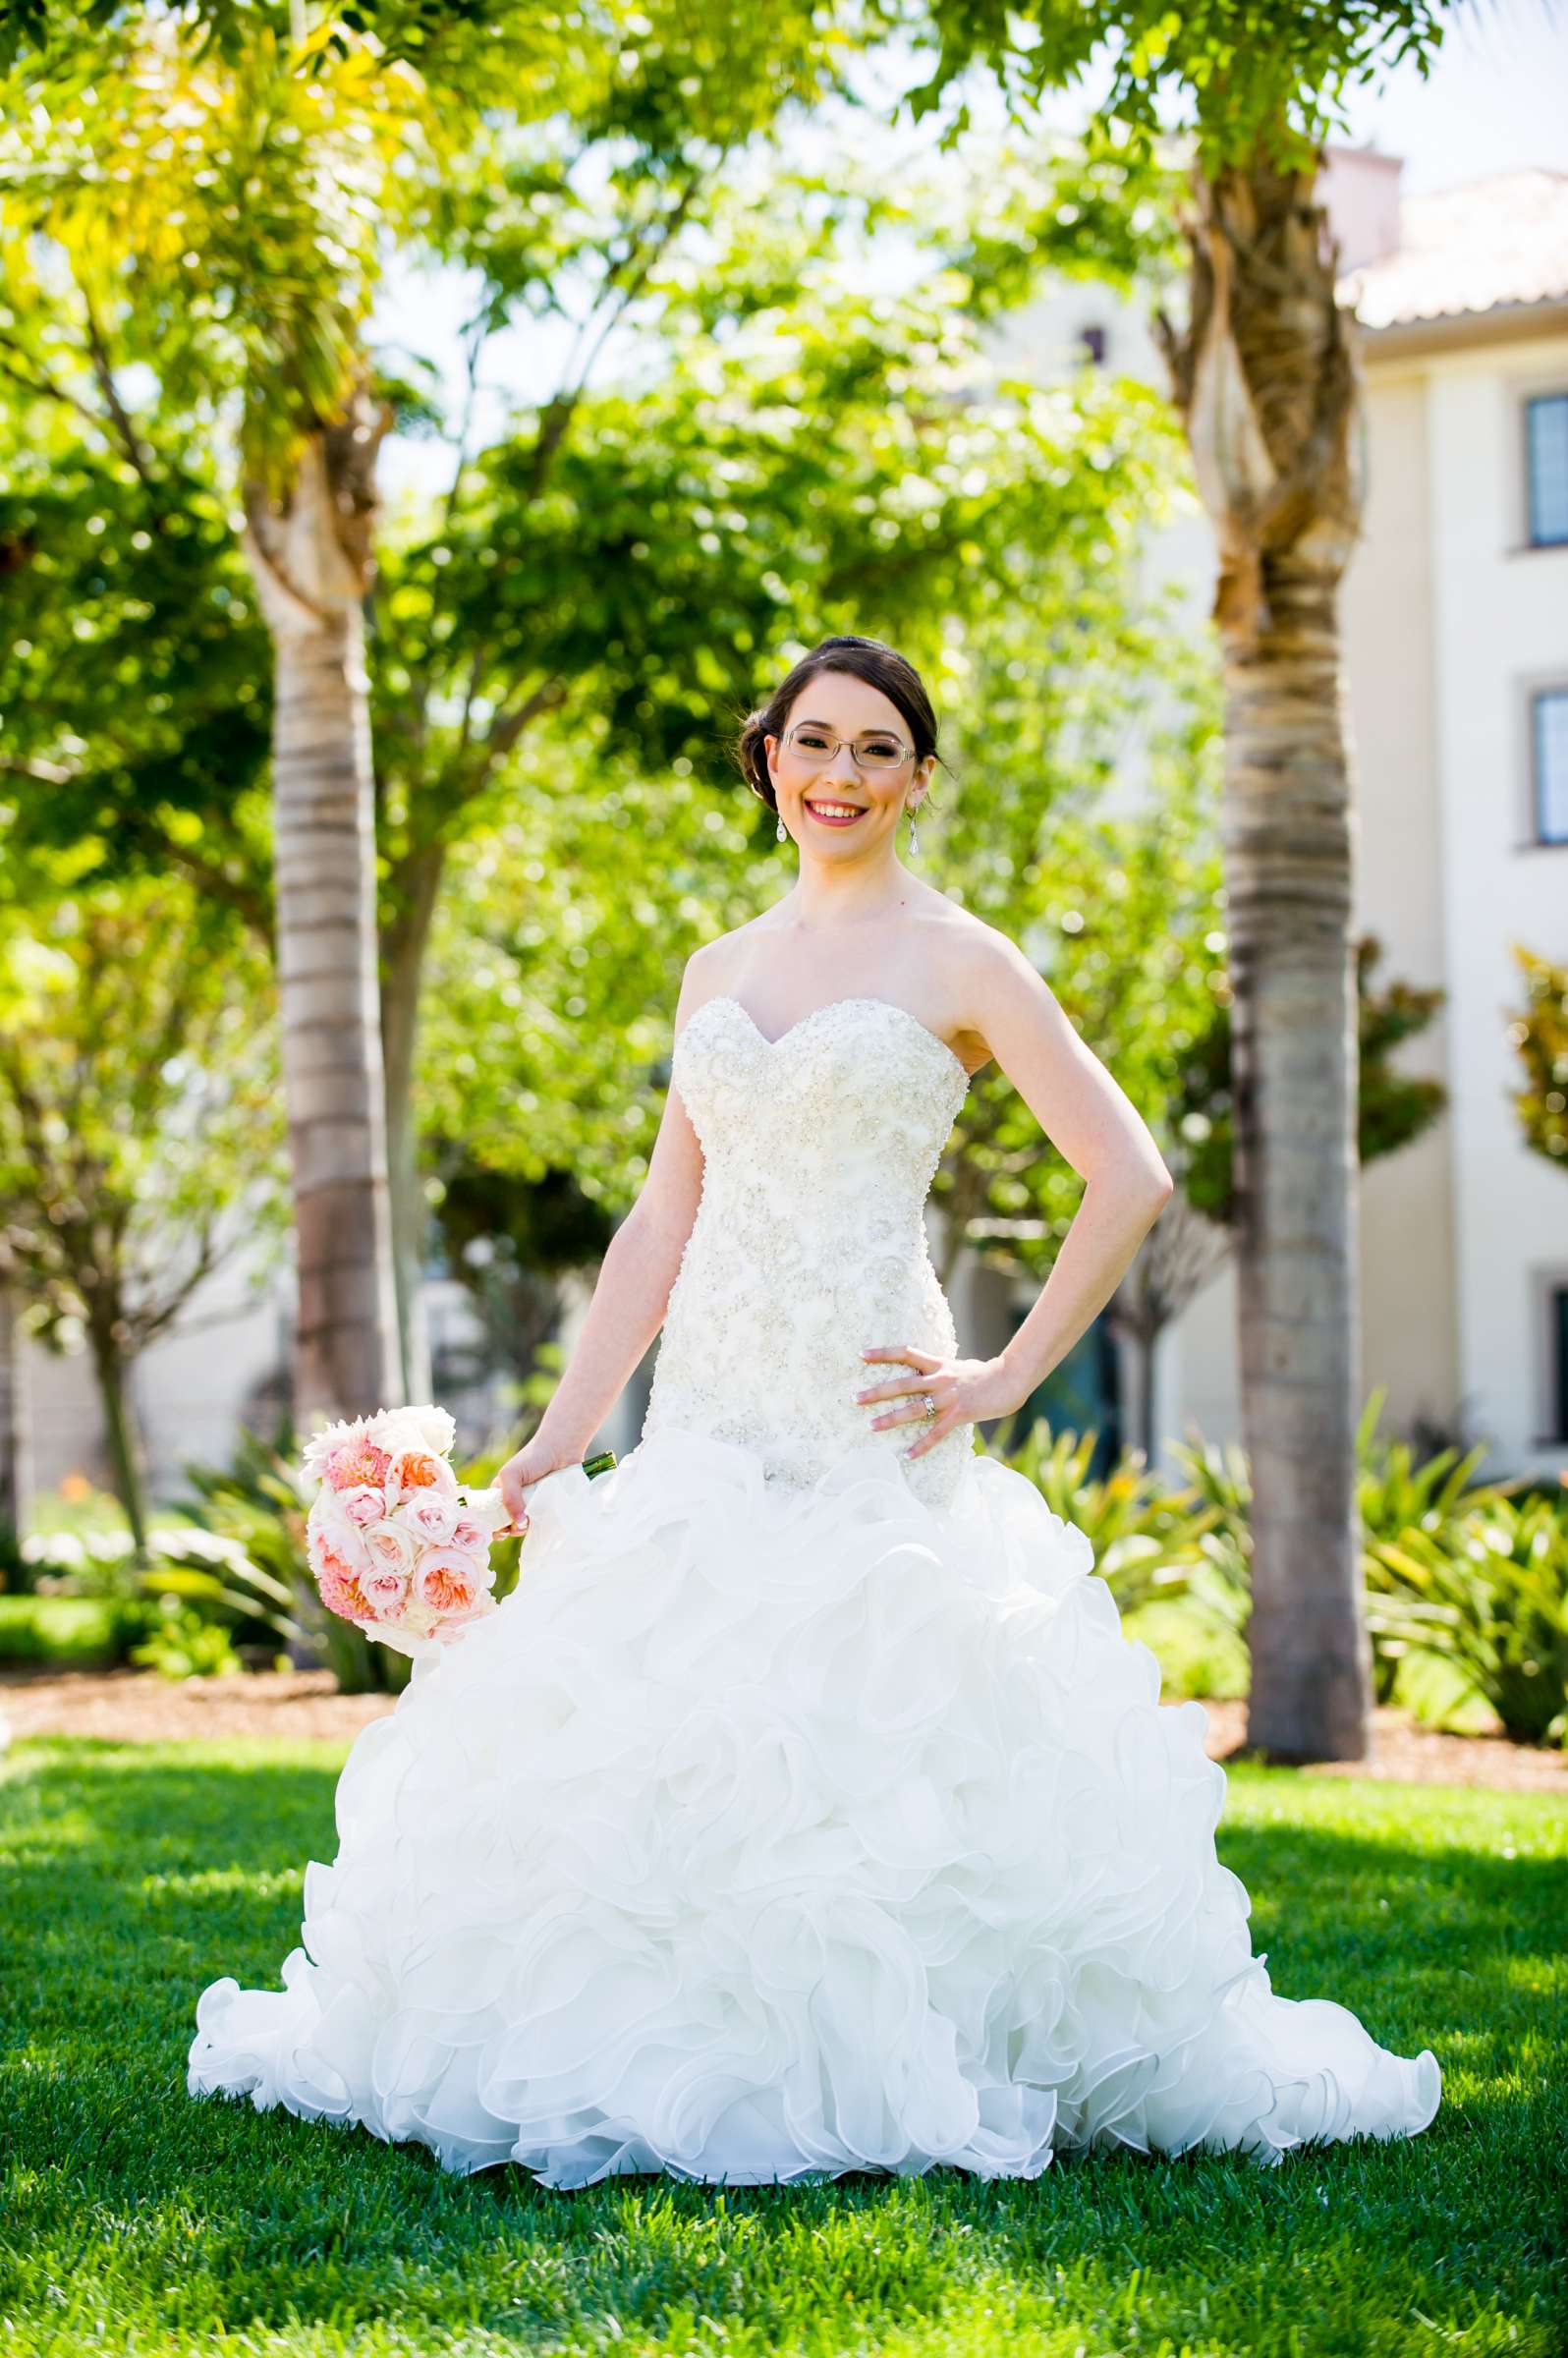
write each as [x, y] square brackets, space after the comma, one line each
[1218, 1475]
[184, 1645]
[1399, 1494]
[71, 1633]
[1489, 1595]
[1146, 1537]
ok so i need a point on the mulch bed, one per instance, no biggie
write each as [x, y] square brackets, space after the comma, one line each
[139, 1707]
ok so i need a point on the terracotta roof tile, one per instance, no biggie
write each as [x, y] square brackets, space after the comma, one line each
[1502, 240]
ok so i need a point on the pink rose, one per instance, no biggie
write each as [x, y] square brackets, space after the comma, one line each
[387, 1592]
[448, 1581]
[420, 1473]
[429, 1516]
[468, 1536]
[362, 1505]
[392, 1549]
[328, 1533]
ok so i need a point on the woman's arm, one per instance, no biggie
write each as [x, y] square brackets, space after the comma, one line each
[630, 1294]
[1092, 1122]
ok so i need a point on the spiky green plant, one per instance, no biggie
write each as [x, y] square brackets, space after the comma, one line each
[1147, 1538]
[1489, 1596]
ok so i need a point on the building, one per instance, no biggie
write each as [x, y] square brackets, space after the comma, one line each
[1455, 632]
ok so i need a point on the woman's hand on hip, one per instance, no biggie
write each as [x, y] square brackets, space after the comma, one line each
[966, 1391]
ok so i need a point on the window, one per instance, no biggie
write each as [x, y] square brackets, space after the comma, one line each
[1546, 469]
[1557, 1363]
[1548, 751]
[1092, 342]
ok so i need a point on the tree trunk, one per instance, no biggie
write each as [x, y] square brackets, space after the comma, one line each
[311, 562]
[16, 1470]
[402, 967]
[1265, 379]
[113, 1373]
[1143, 1400]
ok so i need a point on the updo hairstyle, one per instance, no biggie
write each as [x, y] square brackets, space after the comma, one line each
[880, 665]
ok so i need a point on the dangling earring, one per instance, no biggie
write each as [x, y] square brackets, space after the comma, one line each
[783, 831]
[913, 843]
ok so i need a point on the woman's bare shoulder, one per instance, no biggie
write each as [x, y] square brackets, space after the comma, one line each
[965, 947]
[711, 968]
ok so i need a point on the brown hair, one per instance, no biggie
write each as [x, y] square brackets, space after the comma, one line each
[869, 659]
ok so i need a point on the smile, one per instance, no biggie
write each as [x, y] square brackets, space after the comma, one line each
[835, 815]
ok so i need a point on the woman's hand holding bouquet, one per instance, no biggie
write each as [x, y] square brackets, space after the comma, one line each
[397, 1543]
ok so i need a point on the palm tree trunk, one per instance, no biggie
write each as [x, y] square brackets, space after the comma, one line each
[402, 967]
[311, 561]
[16, 1479]
[1288, 870]
[1265, 379]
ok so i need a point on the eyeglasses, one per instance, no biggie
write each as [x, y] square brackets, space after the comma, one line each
[874, 749]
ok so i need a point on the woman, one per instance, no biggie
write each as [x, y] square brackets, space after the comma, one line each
[804, 1809]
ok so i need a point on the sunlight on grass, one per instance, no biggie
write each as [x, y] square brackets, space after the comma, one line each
[136, 2219]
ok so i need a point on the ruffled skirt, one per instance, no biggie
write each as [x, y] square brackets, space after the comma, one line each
[765, 1834]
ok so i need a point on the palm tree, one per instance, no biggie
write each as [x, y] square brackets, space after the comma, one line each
[235, 249]
[1265, 379]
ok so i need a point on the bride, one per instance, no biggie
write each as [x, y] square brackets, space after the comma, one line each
[804, 1809]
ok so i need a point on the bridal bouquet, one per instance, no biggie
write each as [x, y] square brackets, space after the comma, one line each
[397, 1543]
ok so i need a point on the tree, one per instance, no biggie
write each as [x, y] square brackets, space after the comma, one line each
[617, 572]
[1264, 378]
[139, 1140]
[261, 169]
[1539, 1038]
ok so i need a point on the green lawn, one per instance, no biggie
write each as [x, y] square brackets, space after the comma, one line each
[133, 2219]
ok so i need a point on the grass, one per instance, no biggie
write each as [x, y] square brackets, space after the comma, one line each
[135, 2219]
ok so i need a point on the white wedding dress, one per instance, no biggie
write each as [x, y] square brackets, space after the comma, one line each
[802, 1810]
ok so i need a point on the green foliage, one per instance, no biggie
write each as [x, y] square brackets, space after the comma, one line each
[138, 1109]
[1490, 1596]
[1402, 1497]
[1241, 78]
[184, 1644]
[1220, 1477]
[135, 670]
[18, 1572]
[1539, 1038]
[69, 1633]
[1454, 1569]
[1146, 1537]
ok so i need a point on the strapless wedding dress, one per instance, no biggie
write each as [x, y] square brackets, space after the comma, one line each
[804, 1809]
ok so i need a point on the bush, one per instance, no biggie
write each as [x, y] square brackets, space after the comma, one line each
[1146, 1538]
[1489, 1595]
[71, 1633]
[1400, 1495]
[182, 1644]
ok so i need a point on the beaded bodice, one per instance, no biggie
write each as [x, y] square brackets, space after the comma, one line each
[819, 1149]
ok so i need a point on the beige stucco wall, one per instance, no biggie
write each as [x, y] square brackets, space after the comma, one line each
[1409, 1333]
